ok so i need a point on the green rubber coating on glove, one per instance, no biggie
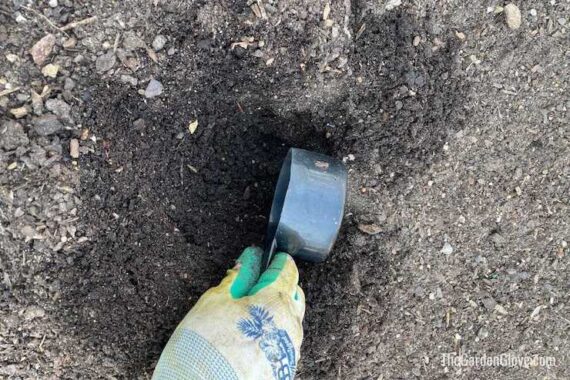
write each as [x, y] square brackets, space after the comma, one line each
[271, 274]
[250, 261]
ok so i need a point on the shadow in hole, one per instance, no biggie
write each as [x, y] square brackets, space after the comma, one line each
[167, 212]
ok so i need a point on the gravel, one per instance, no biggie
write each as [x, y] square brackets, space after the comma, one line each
[42, 49]
[159, 42]
[46, 125]
[12, 135]
[105, 62]
[60, 108]
[513, 16]
[132, 41]
[153, 89]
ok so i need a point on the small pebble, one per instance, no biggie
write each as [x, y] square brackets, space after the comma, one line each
[391, 4]
[500, 309]
[105, 62]
[20, 19]
[47, 125]
[50, 70]
[12, 135]
[42, 49]
[34, 312]
[132, 41]
[12, 58]
[37, 103]
[159, 42]
[447, 249]
[153, 89]
[59, 107]
[489, 303]
[69, 84]
[129, 80]
[513, 16]
[138, 124]
[53, 3]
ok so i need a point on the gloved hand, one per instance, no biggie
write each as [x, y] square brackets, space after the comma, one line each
[247, 327]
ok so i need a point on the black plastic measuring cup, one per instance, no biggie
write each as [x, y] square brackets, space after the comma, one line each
[307, 208]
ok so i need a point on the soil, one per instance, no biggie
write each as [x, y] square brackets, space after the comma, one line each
[454, 129]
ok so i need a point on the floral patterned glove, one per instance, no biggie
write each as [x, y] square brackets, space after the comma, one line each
[247, 327]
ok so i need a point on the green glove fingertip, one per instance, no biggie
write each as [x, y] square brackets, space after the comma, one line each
[271, 273]
[250, 261]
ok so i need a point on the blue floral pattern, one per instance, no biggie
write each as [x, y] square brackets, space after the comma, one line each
[273, 341]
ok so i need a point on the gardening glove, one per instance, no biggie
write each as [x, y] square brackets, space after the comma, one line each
[247, 327]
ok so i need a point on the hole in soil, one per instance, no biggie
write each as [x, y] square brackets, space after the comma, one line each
[167, 212]
[171, 211]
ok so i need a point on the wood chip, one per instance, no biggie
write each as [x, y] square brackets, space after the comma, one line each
[535, 312]
[370, 229]
[262, 9]
[193, 126]
[74, 148]
[45, 91]
[152, 54]
[75, 24]
[69, 43]
[244, 43]
[19, 112]
[500, 309]
[326, 11]
[255, 9]
[8, 91]
[84, 134]
[360, 31]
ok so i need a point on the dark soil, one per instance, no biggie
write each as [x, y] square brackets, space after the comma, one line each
[163, 233]
[454, 129]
